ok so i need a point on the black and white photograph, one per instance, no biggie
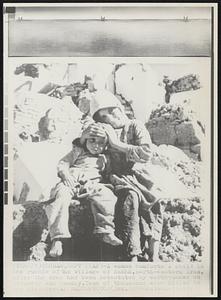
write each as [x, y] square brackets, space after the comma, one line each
[109, 142]
[88, 186]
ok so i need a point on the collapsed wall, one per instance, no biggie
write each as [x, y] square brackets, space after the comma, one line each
[171, 124]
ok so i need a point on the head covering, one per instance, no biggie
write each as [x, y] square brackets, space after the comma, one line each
[103, 99]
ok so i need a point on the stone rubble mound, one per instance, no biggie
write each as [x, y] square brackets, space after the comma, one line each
[30, 108]
[183, 221]
[173, 124]
[173, 128]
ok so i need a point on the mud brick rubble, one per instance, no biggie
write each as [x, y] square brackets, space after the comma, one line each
[169, 126]
[181, 240]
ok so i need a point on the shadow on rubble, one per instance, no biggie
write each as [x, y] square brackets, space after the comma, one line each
[29, 242]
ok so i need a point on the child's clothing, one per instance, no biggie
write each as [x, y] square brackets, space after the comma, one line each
[81, 162]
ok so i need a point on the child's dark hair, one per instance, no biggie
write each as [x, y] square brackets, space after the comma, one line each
[78, 143]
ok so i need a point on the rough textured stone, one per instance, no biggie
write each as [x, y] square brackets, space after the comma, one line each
[133, 84]
[138, 83]
[30, 243]
[172, 125]
[181, 237]
[30, 108]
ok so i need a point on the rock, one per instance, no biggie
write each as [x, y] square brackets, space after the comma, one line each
[182, 231]
[184, 168]
[30, 220]
[168, 124]
[138, 83]
[30, 242]
[30, 108]
[166, 136]
[31, 179]
[182, 226]
[173, 125]
[186, 134]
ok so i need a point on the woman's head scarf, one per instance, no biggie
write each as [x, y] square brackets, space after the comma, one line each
[103, 99]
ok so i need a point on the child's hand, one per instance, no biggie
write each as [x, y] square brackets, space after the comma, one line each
[87, 189]
[68, 179]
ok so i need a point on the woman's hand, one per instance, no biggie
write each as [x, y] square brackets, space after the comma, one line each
[112, 136]
[93, 130]
[140, 154]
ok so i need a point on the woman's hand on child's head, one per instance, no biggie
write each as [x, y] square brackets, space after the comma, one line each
[93, 130]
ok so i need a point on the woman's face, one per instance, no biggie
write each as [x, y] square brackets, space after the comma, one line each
[112, 116]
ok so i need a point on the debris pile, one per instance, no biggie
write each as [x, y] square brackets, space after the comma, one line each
[181, 239]
[49, 116]
[32, 120]
[181, 236]
[172, 124]
[185, 83]
[187, 170]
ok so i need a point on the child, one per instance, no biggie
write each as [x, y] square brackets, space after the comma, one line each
[81, 172]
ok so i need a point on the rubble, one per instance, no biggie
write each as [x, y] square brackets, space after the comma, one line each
[173, 128]
[181, 239]
[32, 108]
[181, 236]
[172, 124]
[185, 83]
[138, 83]
[187, 170]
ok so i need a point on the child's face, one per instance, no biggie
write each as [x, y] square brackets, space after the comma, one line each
[96, 145]
[112, 116]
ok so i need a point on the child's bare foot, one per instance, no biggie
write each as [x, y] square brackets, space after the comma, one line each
[134, 258]
[56, 248]
[110, 239]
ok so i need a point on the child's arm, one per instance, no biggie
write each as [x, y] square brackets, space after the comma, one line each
[63, 168]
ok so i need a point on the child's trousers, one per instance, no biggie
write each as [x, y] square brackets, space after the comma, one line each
[102, 205]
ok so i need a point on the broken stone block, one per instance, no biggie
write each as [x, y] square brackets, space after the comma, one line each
[173, 124]
[186, 134]
[37, 183]
[181, 236]
[30, 108]
[167, 134]
[137, 83]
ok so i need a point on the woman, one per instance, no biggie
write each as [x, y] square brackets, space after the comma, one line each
[138, 210]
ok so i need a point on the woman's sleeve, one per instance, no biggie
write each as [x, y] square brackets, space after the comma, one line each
[141, 135]
[140, 149]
